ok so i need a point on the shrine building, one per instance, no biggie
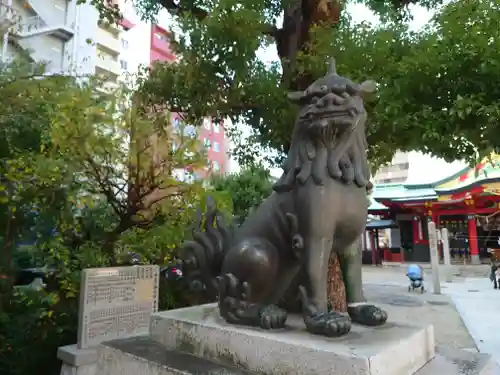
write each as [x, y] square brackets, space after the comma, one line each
[467, 203]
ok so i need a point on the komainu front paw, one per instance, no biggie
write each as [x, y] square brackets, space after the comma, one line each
[368, 315]
[272, 317]
[329, 324]
[235, 308]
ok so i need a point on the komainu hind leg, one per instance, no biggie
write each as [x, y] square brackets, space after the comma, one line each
[249, 274]
[235, 308]
[359, 309]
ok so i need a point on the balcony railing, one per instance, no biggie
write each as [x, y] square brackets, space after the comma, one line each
[108, 63]
[108, 40]
[30, 25]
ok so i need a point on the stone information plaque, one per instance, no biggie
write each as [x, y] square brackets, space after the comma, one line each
[116, 303]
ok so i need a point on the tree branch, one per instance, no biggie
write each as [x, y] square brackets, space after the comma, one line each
[200, 15]
[105, 188]
[179, 10]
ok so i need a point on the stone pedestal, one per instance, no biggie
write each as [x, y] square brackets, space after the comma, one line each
[77, 361]
[474, 259]
[196, 341]
[393, 349]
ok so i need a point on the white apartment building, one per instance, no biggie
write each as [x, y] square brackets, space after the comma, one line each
[415, 168]
[65, 35]
[394, 172]
[135, 43]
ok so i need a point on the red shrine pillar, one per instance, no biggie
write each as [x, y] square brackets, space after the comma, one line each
[473, 243]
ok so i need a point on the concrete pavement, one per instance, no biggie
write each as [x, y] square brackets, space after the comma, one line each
[474, 297]
[479, 306]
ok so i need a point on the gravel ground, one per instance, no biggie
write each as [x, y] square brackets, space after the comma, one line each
[423, 309]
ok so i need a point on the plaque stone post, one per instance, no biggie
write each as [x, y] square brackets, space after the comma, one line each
[433, 248]
[446, 255]
[115, 303]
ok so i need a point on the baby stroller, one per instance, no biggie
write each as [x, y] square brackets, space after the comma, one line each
[416, 277]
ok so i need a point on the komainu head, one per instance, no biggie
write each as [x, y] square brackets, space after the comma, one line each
[332, 104]
[329, 138]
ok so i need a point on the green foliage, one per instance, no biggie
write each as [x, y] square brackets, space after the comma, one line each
[32, 330]
[247, 188]
[86, 178]
[398, 9]
[436, 87]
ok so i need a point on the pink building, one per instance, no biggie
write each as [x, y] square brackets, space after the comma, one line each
[211, 134]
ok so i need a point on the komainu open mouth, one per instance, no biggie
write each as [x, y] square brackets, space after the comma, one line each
[324, 115]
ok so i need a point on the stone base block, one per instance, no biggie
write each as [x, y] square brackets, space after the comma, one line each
[450, 361]
[143, 356]
[393, 349]
[77, 361]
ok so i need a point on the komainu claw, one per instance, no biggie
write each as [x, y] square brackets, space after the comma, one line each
[331, 324]
[272, 317]
[368, 315]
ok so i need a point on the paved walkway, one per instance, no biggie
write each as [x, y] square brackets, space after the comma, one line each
[475, 299]
[479, 306]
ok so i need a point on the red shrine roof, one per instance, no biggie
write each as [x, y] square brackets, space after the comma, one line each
[482, 180]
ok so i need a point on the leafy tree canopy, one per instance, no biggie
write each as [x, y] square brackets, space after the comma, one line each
[246, 188]
[87, 174]
[219, 40]
[433, 83]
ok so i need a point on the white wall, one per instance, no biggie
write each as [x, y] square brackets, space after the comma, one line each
[139, 42]
[83, 54]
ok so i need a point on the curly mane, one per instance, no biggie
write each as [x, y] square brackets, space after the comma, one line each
[342, 158]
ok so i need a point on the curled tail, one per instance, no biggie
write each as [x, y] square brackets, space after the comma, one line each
[202, 256]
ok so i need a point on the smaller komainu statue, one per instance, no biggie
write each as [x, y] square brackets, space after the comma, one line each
[318, 207]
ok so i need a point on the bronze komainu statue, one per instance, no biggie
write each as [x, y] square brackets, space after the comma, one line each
[318, 206]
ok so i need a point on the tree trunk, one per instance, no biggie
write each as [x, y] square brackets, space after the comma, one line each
[336, 287]
[6, 271]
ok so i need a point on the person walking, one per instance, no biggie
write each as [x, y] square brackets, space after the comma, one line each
[494, 274]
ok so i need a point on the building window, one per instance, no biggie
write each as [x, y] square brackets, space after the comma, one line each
[404, 166]
[207, 143]
[161, 37]
[123, 64]
[216, 127]
[207, 124]
[216, 147]
[189, 131]
[124, 43]
[178, 174]
[215, 166]
[189, 177]
[177, 124]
